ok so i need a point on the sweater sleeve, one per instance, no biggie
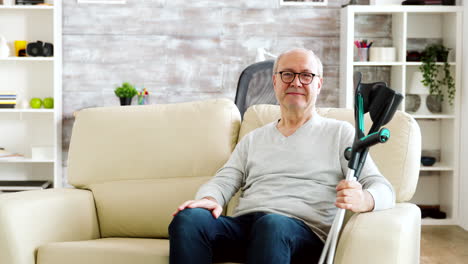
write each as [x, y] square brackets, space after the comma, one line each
[229, 178]
[371, 179]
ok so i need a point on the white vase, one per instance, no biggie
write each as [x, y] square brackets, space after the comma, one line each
[423, 110]
[4, 49]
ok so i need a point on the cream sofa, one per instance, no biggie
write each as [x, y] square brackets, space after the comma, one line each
[133, 165]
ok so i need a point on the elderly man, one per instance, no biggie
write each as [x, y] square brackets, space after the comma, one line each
[291, 173]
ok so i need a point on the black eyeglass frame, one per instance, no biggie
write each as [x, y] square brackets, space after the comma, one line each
[297, 73]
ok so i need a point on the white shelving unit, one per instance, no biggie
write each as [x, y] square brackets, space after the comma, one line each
[28, 58]
[438, 184]
[22, 127]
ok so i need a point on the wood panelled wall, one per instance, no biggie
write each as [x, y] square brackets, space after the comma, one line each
[187, 50]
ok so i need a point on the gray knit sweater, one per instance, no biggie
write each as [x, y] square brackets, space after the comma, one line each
[296, 175]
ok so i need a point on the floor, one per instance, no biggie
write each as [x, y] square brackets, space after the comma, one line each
[444, 244]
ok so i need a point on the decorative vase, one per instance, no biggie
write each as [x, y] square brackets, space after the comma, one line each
[4, 49]
[442, 57]
[416, 87]
[412, 103]
[125, 100]
[434, 103]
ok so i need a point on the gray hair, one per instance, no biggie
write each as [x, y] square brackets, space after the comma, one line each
[317, 59]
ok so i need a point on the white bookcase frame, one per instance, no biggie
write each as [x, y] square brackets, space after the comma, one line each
[24, 127]
[464, 131]
[444, 128]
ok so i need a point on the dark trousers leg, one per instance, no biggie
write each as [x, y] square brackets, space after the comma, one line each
[279, 239]
[197, 237]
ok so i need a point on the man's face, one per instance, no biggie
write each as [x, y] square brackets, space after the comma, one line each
[297, 96]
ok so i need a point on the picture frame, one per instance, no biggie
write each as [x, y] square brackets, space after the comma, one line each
[303, 2]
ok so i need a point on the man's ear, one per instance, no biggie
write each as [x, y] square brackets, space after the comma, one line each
[274, 86]
[319, 85]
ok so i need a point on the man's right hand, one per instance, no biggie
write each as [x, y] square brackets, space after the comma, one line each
[208, 203]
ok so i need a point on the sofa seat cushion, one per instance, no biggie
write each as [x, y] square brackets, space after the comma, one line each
[106, 251]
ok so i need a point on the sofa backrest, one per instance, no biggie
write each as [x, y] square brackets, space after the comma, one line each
[141, 162]
[398, 159]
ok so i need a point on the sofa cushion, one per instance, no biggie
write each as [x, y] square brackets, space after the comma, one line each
[141, 208]
[398, 159]
[106, 251]
[151, 141]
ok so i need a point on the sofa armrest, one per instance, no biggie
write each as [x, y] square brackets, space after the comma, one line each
[33, 218]
[389, 236]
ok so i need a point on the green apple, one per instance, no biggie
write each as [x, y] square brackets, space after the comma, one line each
[49, 102]
[35, 103]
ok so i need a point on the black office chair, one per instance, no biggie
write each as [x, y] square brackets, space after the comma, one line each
[255, 86]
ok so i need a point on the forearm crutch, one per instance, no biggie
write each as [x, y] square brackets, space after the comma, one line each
[381, 102]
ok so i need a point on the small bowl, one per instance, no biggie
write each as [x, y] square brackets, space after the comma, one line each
[428, 161]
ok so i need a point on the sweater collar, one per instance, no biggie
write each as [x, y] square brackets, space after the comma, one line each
[313, 121]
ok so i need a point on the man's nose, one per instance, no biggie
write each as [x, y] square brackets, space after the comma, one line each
[296, 82]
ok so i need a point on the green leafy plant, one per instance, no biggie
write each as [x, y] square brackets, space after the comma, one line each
[430, 71]
[125, 91]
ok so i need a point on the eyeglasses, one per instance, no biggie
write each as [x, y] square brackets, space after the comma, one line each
[304, 77]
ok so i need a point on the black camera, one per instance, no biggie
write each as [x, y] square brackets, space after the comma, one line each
[29, 2]
[38, 48]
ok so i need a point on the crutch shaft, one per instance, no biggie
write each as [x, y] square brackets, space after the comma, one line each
[332, 239]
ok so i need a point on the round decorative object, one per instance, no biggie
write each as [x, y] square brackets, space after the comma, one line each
[427, 161]
[434, 104]
[35, 103]
[48, 102]
[412, 102]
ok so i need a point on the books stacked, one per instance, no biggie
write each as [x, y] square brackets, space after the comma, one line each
[15, 186]
[7, 100]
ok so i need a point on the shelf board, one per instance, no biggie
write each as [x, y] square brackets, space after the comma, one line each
[378, 63]
[431, 221]
[376, 9]
[27, 59]
[435, 116]
[23, 160]
[19, 110]
[436, 167]
[417, 63]
[394, 63]
[27, 7]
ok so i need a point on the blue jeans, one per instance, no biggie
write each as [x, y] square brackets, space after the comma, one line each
[197, 237]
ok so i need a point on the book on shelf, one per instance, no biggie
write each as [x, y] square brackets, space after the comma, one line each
[7, 105]
[7, 100]
[7, 94]
[6, 154]
[24, 185]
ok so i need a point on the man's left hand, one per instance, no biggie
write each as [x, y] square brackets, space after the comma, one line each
[351, 196]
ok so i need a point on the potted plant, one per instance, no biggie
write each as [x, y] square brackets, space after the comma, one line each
[125, 92]
[431, 72]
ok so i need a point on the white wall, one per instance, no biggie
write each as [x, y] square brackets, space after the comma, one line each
[464, 129]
